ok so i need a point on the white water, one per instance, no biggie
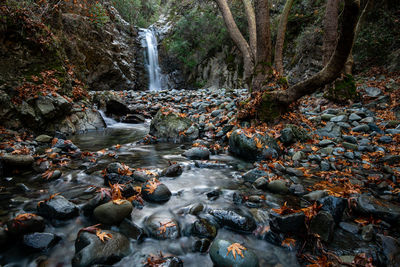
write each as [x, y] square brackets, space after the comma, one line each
[149, 41]
[111, 123]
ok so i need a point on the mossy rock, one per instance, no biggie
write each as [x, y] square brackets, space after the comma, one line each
[269, 109]
[299, 133]
[343, 90]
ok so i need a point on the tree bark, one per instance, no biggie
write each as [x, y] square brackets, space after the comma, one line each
[348, 68]
[330, 29]
[280, 39]
[237, 38]
[332, 70]
[251, 21]
[263, 57]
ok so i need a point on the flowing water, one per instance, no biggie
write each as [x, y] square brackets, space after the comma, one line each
[149, 41]
[78, 184]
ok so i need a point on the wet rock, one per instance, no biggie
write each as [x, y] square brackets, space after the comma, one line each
[115, 178]
[220, 256]
[111, 213]
[246, 148]
[204, 229]
[291, 223]
[334, 205]
[201, 245]
[15, 161]
[160, 194]
[169, 127]
[162, 225]
[391, 249]
[210, 164]
[30, 224]
[133, 118]
[58, 208]
[349, 227]
[96, 201]
[130, 229]
[278, 187]
[350, 139]
[90, 250]
[40, 241]
[174, 170]
[234, 220]
[368, 232]
[116, 107]
[196, 209]
[252, 175]
[261, 183]
[200, 153]
[378, 208]
[294, 172]
[385, 139]
[43, 138]
[315, 195]
[171, 262]
[114, 167]
[323, 224]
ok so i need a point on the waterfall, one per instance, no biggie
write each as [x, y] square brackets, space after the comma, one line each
[108, 121]
[149, 41]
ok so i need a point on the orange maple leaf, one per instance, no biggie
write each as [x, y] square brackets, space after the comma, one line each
[151, 186]
[163, 226]
[103, 236]
[236, 248]
[288, 242]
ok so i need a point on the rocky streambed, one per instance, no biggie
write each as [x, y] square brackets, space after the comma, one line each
[220, 192]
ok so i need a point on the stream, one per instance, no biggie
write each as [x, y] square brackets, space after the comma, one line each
[188, 189]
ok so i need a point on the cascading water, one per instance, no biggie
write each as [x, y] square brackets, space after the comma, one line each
[149, 41]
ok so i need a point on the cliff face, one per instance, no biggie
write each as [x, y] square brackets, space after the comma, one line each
[47, 53]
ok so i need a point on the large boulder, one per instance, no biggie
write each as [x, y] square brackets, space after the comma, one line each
[382, 209]
[113, 213]
[235, 220]
[256, 147]
[90, 250]
[170, 126]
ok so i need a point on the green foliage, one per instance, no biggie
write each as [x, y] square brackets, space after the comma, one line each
[200, 33]
[141, 13]
[98, 15]
[379, 34]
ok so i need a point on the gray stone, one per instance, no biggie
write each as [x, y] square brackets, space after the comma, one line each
[340, 118]
[90, 250]
[315, 195]
[200, 153]
[220, 256]
[295, 172]
[327, 117]
[299, 155]
[378, 208]
[361, 128]
[159, 195]
[354, 117]
[58, 208]
[373, 91]
[252, 175]
[43, 138]
[111, 213]
[368, 232]
[278, 187]
[323, 224]
[13, 161]
[162, 225]
[235, 220]
[326, 142]
[349, 227]
[40, 241]
[350, 146]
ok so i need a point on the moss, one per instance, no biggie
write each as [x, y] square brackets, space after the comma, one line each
[343, 90]
[268, 109]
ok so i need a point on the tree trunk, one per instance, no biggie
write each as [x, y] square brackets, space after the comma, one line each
[280, 39]
[283, 98]
[330, 29]
[237, 38]
[263, 57]
[348, 68]
[251, 21]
